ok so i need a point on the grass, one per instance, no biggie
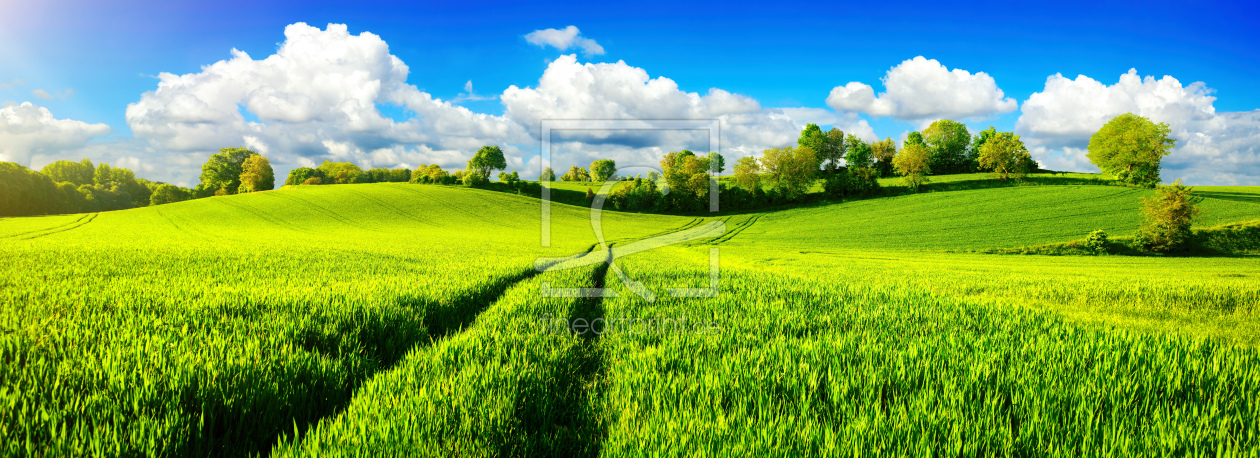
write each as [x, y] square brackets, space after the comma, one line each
[362, 320]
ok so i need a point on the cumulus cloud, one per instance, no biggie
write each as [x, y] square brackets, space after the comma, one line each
[604, 91]
[922, 89]
[27, 130]
[1212, 148]
[564, 39]
[316, 98]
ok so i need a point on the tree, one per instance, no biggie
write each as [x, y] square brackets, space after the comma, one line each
[340, 172]
[223, 170]
[301, 174]
[1130, 147]
[487, 159]
[812, 137]
[833, 150]
[1169, 216]
[576, 173]
[947, 142]
[257, 175]
[1005, 155]
[603, 170]
[792, 169]
[747, 173]
[915, 138]
[547, 175]
[78, 173]
[883, 152]
[859, 153]
[687, 176]
[717, 163]
[912, 163]
[168, 193]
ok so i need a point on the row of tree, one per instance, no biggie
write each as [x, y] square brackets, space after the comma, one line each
[75, 187]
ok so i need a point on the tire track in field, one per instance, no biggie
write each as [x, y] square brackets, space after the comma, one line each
[443, 319]
[321, 209]
[741, 227]
[85, 215]
[62, 228]
[457, 208]
[574, 430]
[393, 208]
[187, 230]
[262, 215]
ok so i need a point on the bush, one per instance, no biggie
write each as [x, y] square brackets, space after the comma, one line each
[313, 180]
[1097, 242]
[1169, 216]
[475, 179]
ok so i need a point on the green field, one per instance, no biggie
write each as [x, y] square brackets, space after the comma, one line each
[398, 319]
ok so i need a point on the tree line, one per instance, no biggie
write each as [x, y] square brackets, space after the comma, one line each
[64, 186]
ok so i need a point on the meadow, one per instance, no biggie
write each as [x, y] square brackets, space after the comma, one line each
[398, 319]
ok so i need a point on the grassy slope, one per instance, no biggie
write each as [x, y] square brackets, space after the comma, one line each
[291, 275]
[981, 218]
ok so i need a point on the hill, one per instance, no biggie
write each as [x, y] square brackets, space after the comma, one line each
[409, 319]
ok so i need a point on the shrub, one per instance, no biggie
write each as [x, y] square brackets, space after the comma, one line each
[1097, 242]
[1169, 216]
[313, 181]
[475, 179]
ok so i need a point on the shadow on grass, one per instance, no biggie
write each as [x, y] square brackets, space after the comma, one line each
[560, 418]
[1234, 196]
[252, 424]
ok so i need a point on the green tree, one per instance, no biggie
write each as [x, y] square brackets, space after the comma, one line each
[78, 173]
[547, 175]
[1005, 155]
[914, 138]
[576, 173]
[748, 173]
[1130, 147]
[717, 163]
[603, 170]
[884, 151]
[340, 172]
[792, 169]
[1169, 216]
[487, 159]
[833, 150]
[687, 176]
[948, 143]
[859, 153]
[168, 193]
[257, 175]
[223, 170]
[912, 163]
[301, 174]
[812, 137]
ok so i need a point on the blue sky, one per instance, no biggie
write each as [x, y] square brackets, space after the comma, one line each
[780, 55]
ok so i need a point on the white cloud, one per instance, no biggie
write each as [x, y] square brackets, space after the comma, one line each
[316, 98]
[468, 94]
[27, 130]
[1069, 111]
[602, 91]
[850, 123]
[6, 85]
[49, 96]
[1212, 148]
[570, 37]
[922, 89]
